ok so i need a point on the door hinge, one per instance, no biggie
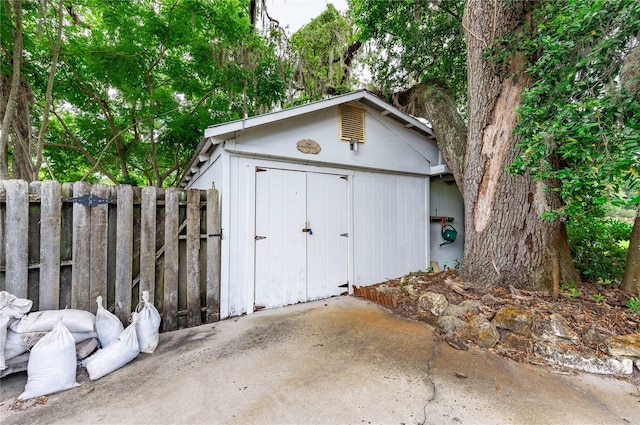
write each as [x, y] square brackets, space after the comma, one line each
[345, 178]
[89, 200]
[258, 238]
[260, 170]
[346, 285]
[345, 235]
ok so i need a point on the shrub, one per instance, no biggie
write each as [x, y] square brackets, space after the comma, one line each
[595, 245]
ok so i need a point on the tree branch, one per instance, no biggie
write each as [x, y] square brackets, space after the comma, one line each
[81, 148]
[436, 105]
[48, 96]
[16, 6]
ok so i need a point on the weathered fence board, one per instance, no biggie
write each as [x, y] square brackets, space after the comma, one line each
[81, 272]
[62, 251]
[50, 225]
[124, 252]
[148, 242]
[193, 261]
[99, 241]
[171, 260]
[214, 236]
[17, 247]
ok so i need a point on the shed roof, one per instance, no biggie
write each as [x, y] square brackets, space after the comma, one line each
[218, 133]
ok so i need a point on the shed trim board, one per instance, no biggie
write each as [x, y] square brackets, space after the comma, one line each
[383, 188]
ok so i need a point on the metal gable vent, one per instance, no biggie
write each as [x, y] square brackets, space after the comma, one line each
[351, 123]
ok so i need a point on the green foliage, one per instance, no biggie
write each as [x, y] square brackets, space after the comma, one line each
[318, 55]
[570, 290]
[595, 246]
[139, 80]
[634, 305]
[598, 298]
[414, 42]
[577, 126]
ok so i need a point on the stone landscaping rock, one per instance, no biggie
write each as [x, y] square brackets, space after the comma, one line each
[450, 324]
[556, 328]
[570, 358]
[490, 300]
[433, 302]
[514, 319]
[624, 345]
[479, 330]
[409, 280]
[518, 342]
[466, 306]
[411, 291]
[386, 289]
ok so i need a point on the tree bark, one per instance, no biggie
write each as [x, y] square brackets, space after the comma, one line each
[506, 242]
[439, 108]
[631, 277]
[630, 81]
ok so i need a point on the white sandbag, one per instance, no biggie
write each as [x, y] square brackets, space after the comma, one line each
[43, 321]
[13, 306]
[4, 324]
[114, 356]
[19, 343]
[52, 364]
[108, 326]
[147, 324]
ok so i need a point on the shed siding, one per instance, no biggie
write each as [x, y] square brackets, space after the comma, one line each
[446, 200]
[389, 226]
[388, 146]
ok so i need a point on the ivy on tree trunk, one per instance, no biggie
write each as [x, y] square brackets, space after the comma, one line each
[506, 243]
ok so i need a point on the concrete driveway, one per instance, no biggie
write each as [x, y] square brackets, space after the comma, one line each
[338, 361]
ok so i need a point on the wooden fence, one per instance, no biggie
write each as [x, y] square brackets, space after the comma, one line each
[62, 245]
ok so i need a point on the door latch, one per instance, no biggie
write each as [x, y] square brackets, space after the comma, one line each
[307, 228]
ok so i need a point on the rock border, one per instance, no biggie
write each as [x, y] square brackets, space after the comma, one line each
[511, 330]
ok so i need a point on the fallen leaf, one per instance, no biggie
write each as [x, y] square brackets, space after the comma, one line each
[497, 387]
[460, 375]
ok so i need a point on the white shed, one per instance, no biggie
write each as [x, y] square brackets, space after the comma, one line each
[321, 197]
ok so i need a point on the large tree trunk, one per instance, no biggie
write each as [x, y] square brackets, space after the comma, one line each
[631, 278]
[630, 81]
[506, 243]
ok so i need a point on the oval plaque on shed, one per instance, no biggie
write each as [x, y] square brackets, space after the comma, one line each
[308, 146]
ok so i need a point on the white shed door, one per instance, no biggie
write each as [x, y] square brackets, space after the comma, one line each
[301, 236]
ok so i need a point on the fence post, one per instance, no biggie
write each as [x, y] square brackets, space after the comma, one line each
[17, 228]
[214, 237]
